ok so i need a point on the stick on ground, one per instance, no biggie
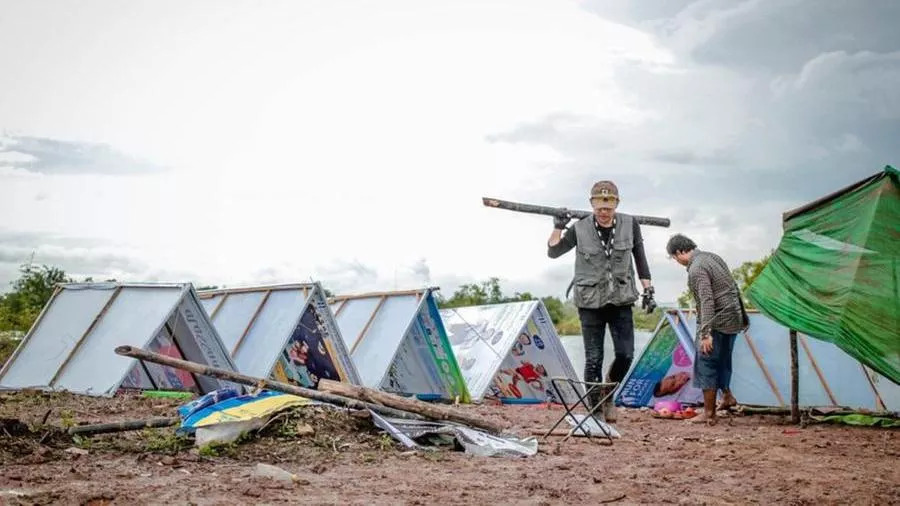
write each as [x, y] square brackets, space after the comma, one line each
[104, 428]
[388, 402]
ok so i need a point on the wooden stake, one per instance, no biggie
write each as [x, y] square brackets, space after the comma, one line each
[795, 380]
[104, 428]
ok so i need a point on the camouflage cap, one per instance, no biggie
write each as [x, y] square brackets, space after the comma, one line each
[604, 190]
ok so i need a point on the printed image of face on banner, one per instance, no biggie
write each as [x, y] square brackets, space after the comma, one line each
[306, 355]
[663, 372]
[164, 377]
[671, 384]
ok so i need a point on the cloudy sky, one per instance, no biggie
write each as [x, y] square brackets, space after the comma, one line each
[238, 142]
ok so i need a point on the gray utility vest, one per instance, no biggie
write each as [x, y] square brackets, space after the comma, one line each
[600, 280]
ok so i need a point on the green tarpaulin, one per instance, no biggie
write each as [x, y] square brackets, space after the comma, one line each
[835, 273]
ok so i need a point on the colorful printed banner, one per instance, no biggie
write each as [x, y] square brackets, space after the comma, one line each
[664, 369]
[508, 351]
[308, 355]
[228, 407]
[424, 361]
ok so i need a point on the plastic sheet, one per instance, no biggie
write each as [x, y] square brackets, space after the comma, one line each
[473, 441]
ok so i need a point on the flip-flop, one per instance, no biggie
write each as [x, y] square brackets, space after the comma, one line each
[701, 419]
[673, 416]
[726, 407]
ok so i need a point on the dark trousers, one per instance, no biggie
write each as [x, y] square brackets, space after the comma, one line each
[593, 330]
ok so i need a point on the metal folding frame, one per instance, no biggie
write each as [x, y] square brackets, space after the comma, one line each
[589, 387]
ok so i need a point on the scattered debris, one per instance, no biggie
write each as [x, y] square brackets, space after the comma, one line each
[276, 473]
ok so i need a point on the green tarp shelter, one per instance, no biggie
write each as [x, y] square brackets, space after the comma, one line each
[835, 273]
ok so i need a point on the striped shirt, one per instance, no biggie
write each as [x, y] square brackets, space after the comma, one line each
[715, 293]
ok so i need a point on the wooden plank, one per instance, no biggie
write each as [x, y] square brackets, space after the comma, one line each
[821, 376]
[878, 400]
[765, 370]
[87, 332]
[340, 308]
[368, 324]
[250, 323]
[205, 294]
[371, 295]
[216, 309]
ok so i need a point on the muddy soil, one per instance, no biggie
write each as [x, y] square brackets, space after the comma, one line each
[340, 459]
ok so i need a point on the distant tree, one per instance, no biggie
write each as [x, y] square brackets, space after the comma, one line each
[746, 274]
[685, 299]
[646, 322]
[207, 287]
[476, 294]
[555, 308]
[743, 275]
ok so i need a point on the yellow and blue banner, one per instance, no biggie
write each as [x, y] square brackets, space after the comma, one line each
[226, 405]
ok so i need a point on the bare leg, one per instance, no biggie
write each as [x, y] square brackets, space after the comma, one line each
[709, 408]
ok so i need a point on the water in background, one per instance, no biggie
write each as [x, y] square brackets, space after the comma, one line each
[574, 346]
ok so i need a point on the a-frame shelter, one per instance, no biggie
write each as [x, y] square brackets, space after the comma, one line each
[508, 351]
[71, 345]
[398, 343]
[284, 332]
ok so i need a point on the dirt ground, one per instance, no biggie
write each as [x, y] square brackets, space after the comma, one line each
[341, 459]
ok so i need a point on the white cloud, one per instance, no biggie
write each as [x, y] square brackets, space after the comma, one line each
[351, 142]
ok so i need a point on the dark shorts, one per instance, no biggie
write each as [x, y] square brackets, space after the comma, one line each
[713, 371]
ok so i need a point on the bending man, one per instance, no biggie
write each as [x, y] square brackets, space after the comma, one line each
[720, 316]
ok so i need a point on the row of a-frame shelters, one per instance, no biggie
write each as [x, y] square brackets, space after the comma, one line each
[394, 341]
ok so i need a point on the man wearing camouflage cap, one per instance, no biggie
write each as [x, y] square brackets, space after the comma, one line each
[604, 283]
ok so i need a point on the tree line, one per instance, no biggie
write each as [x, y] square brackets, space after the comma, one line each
[21, 305]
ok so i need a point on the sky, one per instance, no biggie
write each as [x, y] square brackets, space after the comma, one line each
[234, 143]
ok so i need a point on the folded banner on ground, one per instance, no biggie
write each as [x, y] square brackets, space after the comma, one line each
[221, 416]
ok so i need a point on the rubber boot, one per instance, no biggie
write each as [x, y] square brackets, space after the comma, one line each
[593, 400]
[610, 414]
[609, 409]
